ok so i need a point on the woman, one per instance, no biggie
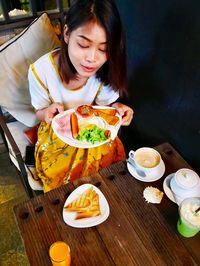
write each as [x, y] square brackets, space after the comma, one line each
[89, 68]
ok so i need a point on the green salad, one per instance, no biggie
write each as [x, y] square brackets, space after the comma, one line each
[92, 134]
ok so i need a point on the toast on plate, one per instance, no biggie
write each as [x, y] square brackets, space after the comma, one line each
[86, 204]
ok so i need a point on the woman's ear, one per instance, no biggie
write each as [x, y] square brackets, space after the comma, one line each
[66, 34]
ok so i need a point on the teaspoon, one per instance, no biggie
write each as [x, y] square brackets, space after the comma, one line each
[138, 171]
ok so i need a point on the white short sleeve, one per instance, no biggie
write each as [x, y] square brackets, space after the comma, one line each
[39, 96]
[106, 96]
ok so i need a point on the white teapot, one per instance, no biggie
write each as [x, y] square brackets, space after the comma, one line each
[185, 184]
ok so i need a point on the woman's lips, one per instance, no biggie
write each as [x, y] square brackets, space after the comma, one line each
[88, 69]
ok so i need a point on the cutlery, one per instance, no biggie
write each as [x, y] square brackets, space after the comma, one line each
[138, 171]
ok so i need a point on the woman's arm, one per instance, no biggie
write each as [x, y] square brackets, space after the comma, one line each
[48, 113]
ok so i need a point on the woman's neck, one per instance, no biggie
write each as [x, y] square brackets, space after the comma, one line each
[74, 84]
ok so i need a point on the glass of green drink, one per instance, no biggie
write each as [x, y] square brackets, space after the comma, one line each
[189, 217]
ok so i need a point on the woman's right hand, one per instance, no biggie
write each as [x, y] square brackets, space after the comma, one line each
[47, 114]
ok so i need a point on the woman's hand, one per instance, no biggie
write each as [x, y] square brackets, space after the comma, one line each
[125, 112]
[47, 114]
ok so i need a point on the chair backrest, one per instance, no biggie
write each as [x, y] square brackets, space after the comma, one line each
[15, 56]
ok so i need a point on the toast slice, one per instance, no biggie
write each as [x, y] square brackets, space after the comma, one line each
[86, 205]
[87, 214]
[105, 111]
[110, 119]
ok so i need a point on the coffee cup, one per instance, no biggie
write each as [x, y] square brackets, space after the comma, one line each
[146, 159]
[188, 224]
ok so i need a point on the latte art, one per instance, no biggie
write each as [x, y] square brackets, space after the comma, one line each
[147, 159]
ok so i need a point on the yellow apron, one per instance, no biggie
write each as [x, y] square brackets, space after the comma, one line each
[57, 163]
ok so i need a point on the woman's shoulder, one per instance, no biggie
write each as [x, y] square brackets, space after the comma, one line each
[44, 60]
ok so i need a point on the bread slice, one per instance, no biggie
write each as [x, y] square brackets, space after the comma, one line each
[87, 214]
[86, 205]
[105, 111]
[110, 119]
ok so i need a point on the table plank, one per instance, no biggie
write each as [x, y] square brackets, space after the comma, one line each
[134, 233]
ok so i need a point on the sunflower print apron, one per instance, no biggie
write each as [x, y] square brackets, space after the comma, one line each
[57, 163]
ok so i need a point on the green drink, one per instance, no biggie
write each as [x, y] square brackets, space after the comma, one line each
[189, 222]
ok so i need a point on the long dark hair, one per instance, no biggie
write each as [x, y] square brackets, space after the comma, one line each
[104, 12]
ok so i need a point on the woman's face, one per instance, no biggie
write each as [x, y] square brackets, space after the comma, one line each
[87, 48]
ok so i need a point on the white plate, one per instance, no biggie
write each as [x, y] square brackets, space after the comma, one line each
[152, 176]
[69, 217]
[64, 131]
[167, 188]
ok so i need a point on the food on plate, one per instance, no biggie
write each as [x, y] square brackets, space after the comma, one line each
[152, 195]
[63, 125]
[93, 134]
[107, 133]
[110, 119]
[74, 125]
[108, 114]
[94, 129]
[110, 111]
[85, 110]
[86, 205]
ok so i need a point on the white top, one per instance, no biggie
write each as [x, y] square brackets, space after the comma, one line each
[45, 83]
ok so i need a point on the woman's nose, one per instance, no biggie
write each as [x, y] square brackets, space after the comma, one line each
[91, 55]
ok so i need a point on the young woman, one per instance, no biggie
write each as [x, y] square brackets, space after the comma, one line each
[89, 68]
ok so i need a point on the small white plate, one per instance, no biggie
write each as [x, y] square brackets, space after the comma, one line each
[69, 217]
[64, 131]
[152, 176]
[167, 188]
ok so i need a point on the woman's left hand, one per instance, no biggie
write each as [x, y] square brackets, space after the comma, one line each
[125, 112]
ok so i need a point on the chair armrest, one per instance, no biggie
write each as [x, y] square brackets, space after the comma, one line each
[17, 153]
[7, 133]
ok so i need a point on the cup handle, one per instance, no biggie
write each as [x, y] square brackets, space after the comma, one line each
[131, 154]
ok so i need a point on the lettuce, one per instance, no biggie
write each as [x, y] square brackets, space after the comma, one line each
[92, 134]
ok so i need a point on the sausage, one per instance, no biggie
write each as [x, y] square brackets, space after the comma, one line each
[107, 133]
[74, 125]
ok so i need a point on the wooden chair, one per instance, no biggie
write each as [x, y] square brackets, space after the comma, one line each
[16, 55]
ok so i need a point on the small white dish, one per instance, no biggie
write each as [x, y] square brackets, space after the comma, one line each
[151, 176]
[167, 188]
[69, 217]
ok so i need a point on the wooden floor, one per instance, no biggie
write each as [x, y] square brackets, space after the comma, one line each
[11, 192]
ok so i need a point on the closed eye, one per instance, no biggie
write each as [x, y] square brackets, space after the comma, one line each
[83, 46]
[103, 50]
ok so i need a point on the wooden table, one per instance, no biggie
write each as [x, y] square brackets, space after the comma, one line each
[135, 233]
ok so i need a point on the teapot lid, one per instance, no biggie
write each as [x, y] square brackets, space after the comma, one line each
[186, 178]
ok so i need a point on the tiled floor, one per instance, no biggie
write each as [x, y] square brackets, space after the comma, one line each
[11, 192]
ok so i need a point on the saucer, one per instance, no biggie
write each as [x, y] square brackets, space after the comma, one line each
[167, 188]
[152, 176]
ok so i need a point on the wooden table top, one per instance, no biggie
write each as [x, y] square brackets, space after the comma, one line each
[135, 233]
